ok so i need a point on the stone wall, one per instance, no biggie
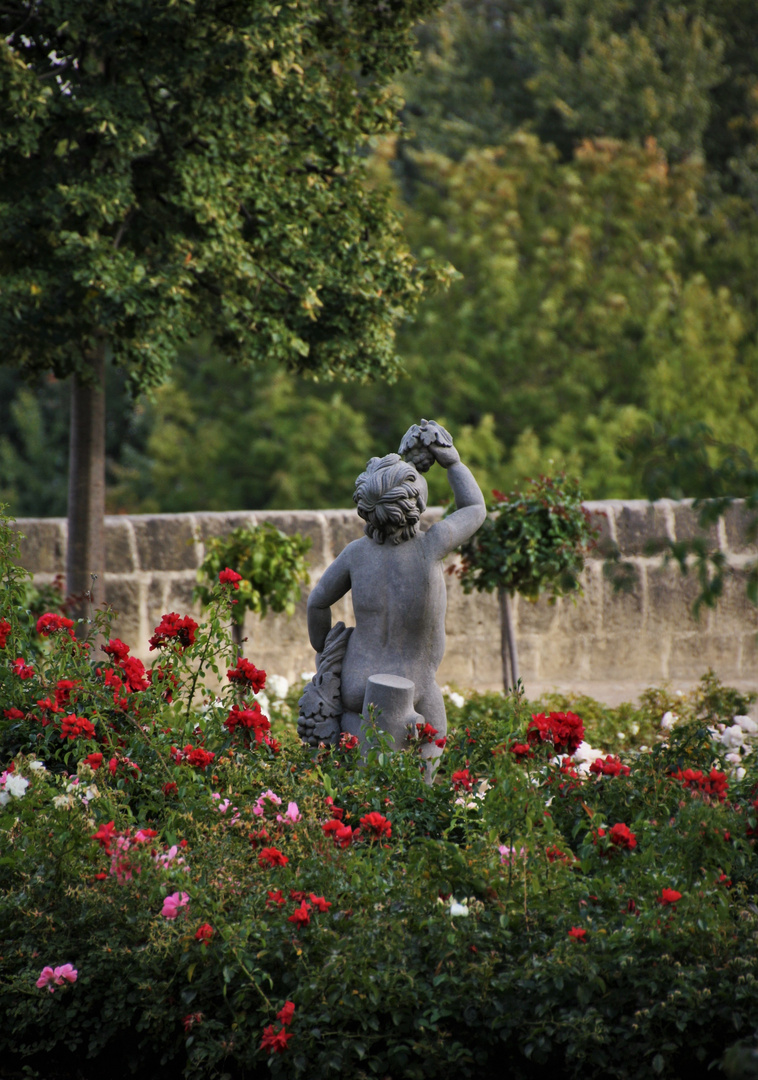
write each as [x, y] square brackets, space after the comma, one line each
[610, 645]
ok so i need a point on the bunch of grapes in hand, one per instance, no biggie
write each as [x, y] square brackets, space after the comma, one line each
[417, 440]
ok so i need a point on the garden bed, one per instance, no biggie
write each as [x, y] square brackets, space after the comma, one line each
[189, 892]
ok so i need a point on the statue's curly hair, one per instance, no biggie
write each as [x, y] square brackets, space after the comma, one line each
[390, 497]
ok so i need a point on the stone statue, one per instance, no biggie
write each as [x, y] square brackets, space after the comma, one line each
[399, 599]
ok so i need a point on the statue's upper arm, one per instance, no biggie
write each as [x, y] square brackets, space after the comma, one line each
[334, 582]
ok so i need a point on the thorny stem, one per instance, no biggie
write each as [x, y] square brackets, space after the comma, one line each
[250, 976]
[196, 676]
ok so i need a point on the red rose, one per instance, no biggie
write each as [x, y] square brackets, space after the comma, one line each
[622, 837]
[611, 766]
[319, 902]
[24, 671]
[104, 835]
[274, 1041]
[204, 933]
[49, 623]
[174, 628]
[117, 649]
[300, 915]
[426, 732]
[251, 719]
[577, 933]
[377, 824]
[669, 896]
[63, 690]
[247, 674]
[461, 779]
[273, 856]
[285, 1014]
[74, 726]
[341, 834]
[563, 730]
[5, 629]
[230, 577]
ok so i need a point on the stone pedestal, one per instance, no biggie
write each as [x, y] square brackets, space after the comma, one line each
[391, 697]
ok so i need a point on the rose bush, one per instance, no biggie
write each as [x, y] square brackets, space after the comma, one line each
[185, 896]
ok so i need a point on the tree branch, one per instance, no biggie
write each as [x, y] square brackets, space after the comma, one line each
[154, 115]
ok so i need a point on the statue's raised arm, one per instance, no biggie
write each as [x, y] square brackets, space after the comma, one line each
[422, 445]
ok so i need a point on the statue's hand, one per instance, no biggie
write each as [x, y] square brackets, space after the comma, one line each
[445, 455]
[420, 443]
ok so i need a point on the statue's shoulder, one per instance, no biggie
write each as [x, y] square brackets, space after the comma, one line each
[353, 550]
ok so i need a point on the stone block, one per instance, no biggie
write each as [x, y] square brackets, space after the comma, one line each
[210, 525]
[179, 596]
[623, 612]
[458, 669]
[562, 658]
[166, 542]
[692, 654]
[741, 532]
[344, 526]
[534, 616]
[734, 613]
[119, 545]
[670, 599]
[582, 614]
[600, 521]
[687, 527]
[748, 654]
[470, 616]
[530, 650]
[156, 601]
[638, 523]
[627, 657]
[430, 517]
[125, 597]
[42, 544]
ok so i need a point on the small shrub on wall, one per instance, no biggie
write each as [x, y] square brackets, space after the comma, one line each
[185, 891]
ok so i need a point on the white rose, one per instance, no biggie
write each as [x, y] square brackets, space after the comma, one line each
[586, 753]
[748, 725]
[733, 737]
[277, 686]
[16, 785]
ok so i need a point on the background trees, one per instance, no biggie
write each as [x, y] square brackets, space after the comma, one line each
[167, 169]
[589, 168]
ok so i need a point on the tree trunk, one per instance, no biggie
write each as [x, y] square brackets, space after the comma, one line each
[85, 550]
[508, 647]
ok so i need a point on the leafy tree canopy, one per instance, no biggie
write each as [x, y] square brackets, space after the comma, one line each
[168, 168]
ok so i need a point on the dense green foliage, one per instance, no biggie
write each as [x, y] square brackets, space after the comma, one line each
[168, 168]
[589, 167]
[272, 567]
[533, 542]
[521, 915]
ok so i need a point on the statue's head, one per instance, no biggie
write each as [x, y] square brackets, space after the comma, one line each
[390, 496]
